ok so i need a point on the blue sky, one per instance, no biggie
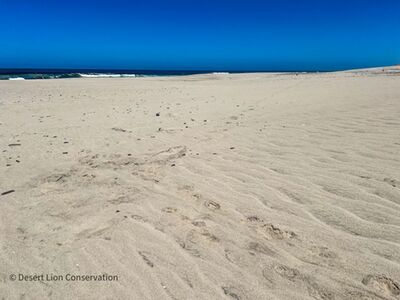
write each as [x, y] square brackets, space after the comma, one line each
[212, 35]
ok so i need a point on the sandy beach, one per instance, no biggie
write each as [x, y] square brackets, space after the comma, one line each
[216, 186]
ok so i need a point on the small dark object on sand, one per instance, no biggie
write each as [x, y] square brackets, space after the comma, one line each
[7, 192]
[13, 145]
[118, 129]
[59, 178]
[157, 114]
[65, 152]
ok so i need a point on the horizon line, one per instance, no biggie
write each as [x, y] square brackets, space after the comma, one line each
[20, 70]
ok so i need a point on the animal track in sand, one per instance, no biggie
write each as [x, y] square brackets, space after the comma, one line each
[186, 188]
[260, 248]
[326, 253]
[314, 290]
[189, 189]
[254, 219]
[286, 272]
[198, 223]
[231, 256]
[169, 154]
[89, 171]
[197, 196]
[319, 292]
[209, 236]
[392, 182]
[121, 199]
[231, 292]
[266, 273]
[169, 209]
[196, 239]
[189, 246]
[383, 284]
[118, 161]
[139, 218]
[68, 179]
[272, 232]
[237, 257]
[212, 205]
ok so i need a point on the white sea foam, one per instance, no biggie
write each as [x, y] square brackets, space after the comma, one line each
[106, 75]
[16, 78]
[220, 73]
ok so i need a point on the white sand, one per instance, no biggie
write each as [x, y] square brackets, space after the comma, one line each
[247, 186]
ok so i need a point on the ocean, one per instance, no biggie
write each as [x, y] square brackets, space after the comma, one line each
[30, 74]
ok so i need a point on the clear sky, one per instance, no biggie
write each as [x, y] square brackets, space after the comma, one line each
[200, 34]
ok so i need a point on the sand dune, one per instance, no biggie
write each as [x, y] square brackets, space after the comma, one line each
[220, 186]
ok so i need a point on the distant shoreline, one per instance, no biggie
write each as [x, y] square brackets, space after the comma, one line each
[33, 74]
